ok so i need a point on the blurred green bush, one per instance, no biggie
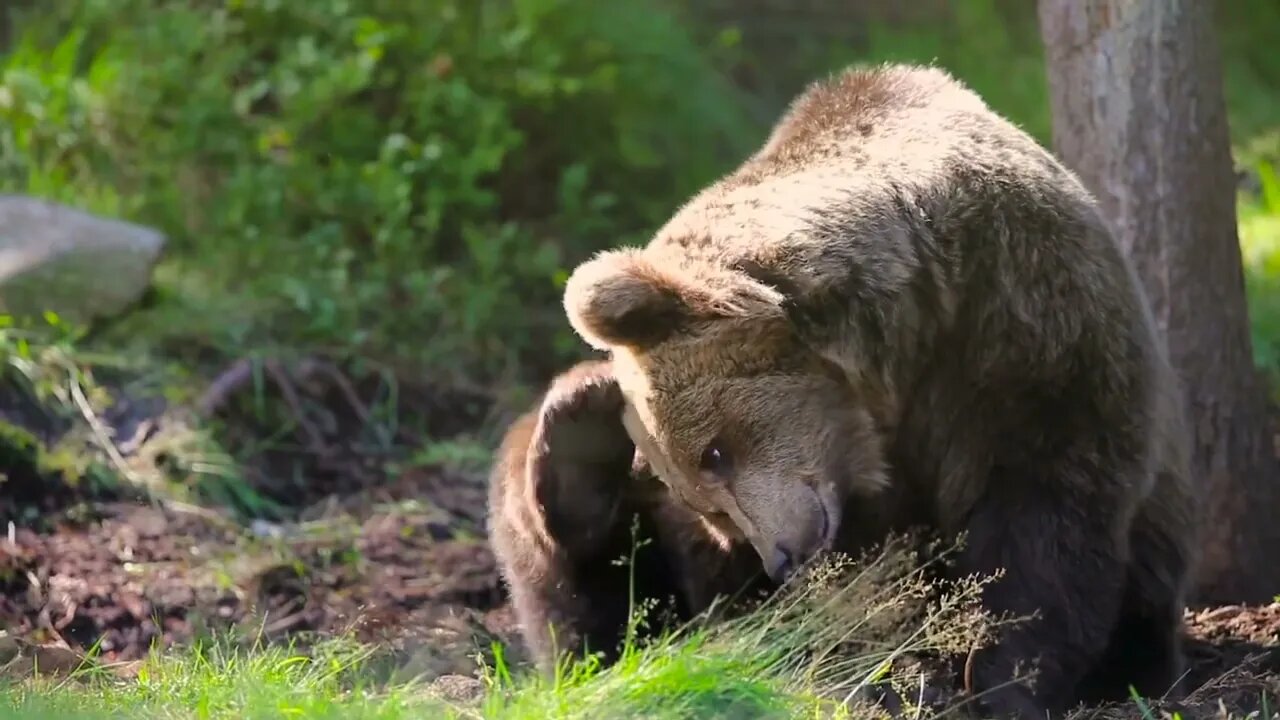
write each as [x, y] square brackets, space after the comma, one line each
[411, 181]
[404, 179]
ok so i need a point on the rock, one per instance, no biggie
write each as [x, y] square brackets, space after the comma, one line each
[458, 689]
[78, 265]
[20, 658]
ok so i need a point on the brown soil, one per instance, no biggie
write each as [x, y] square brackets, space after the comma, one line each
[138, 576]
[395, 556]
[398, 559]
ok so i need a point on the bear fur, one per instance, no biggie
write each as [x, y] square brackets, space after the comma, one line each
[903, 310]
[566, 492]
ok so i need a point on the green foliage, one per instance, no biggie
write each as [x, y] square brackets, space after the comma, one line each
[995, 51]
[27, 462]
[1251, 67]
[33, 386]
[413, 180]
[402, 178]
[1259, 223]
[995, 47]
[51, 385]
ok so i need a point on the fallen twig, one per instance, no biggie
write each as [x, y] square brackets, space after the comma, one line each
[226, 384]
[315, 440]
[102, 434]
[307, 367]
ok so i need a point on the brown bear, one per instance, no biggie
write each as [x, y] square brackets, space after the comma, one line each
[901, 310]
[569, 498]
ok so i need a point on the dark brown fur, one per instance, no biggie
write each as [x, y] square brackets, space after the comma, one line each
[903, 310]
[564, 492]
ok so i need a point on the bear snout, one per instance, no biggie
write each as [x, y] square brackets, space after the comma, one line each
[782, 565]
[790, 554]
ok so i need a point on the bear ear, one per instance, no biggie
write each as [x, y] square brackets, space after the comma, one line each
[620, 298]
[580, 455]
[617, 298]
[581, 416]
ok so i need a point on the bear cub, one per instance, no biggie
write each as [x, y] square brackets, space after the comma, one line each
[569, 497]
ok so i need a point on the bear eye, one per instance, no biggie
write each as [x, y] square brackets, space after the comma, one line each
[715, 460]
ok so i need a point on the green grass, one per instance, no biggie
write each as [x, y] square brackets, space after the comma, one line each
[216, 682]
[333, 682]
[806, 653]
[802, 654]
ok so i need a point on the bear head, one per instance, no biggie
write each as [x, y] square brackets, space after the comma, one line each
[748, 426]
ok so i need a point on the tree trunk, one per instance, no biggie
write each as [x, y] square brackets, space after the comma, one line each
[1139, 113]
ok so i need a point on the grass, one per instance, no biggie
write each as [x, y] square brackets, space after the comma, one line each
[803, 653]
[216, 681]
[811, 651]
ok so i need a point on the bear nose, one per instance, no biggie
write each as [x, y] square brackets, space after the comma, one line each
[782, 564]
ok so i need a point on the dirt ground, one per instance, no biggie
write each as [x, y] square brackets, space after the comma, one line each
[135, 575]
[399, 559]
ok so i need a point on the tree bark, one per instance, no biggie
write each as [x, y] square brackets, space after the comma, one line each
[1139, 113]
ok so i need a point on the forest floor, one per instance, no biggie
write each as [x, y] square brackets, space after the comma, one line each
[396, 559]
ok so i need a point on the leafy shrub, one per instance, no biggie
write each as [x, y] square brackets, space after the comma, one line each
[413, 179]
[408, 179]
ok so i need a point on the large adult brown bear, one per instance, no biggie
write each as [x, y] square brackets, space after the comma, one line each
[902, 278]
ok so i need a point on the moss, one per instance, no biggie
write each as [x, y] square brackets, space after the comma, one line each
[35, 482]
[21, 453]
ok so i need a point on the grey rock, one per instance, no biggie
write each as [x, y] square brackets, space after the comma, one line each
[76, 264]
[266, 529]
[458, 689]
